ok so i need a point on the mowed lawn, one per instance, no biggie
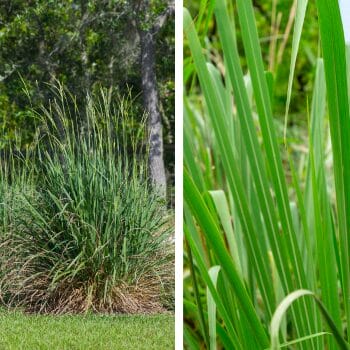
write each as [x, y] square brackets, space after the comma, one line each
[38, 332]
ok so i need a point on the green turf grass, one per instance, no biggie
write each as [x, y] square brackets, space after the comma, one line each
[98, 332]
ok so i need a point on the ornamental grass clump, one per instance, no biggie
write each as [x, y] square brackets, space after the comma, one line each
[267, 242]
[91, 234]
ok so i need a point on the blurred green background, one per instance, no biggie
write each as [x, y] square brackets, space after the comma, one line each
[275, 21]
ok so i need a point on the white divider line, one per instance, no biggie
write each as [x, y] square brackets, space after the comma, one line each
[178, 176]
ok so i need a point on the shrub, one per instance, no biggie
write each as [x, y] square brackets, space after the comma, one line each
[90, 234]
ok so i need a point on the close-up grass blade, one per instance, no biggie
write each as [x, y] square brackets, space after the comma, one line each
[266, 175]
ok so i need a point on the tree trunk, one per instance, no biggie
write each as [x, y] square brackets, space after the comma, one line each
[151, 105]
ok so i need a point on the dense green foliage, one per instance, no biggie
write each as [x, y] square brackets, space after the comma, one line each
[83, 44]
[89, 332]
[266, 223]
[81, 228]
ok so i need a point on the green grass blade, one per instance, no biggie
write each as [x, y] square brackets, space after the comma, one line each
[256, 68]
[334, 56]
[298, 27]
[189, 159]
[197, 296]
[218, 118]
[225, 218]
[255, 64]
[282, 309]
[324, 245]
[214, 274]
[255, 158]
[218, 299]
[302, 339]
[190, 339]
[323, 230]
[207, 223]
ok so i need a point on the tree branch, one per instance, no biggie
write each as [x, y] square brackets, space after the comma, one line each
[162, 18]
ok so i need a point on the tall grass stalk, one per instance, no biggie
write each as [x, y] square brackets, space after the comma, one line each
[85, 230]
[275, 242]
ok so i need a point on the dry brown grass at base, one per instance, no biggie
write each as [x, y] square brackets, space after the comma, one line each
[28, 284]
[145, 297]
[22, 286]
